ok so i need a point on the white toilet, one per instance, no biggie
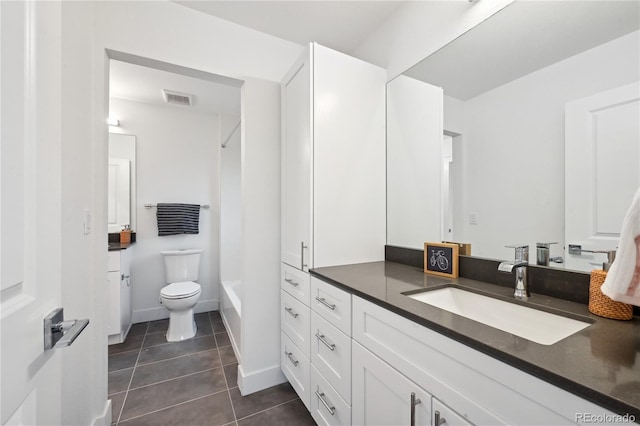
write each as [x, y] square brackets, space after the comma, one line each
[181, 295]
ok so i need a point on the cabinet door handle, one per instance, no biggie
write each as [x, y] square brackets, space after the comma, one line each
[329, 407]
[321, 337]
[414, 401]
[293, 314]
[123, 276]
[302, 247]
[291, 358]
[437, 420]
[325, 303]
[292, 282]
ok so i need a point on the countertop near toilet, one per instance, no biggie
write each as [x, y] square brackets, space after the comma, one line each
[600, 363]
[115, 244]
[119, 246]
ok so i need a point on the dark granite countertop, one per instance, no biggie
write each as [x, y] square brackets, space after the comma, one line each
[120, 246]
[600, 363]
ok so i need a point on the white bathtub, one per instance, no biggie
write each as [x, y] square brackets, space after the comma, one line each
[231, 312]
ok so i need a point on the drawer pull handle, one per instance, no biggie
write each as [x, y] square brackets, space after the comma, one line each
[293, 314]
[292, 282]
[415, 401]
[291, 358]
[325, 303]
[321, 337]
[329, 407]
[437, 420]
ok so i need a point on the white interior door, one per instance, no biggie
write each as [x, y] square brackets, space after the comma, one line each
[119, 190]
[602, 170]
[30, 210]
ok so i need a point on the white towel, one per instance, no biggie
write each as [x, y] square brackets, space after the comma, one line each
[623, 279]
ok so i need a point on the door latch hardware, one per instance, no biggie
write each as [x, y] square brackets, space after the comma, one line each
[59, 333]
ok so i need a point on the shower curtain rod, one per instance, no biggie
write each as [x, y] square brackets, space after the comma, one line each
[224, 144]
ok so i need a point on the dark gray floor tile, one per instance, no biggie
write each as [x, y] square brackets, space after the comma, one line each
[122, 360]
[158, 326]
[231, 374]
[138, 329]
[293, 413]
[215, 316]
[259, 401]
[218, 326]
[164, 370]
[201, 317]
[155, 397]
[119, 380]
[172, 350]
[154, 339]
[214, 410]
[132, 343]
[222, 339]
[116, 405]
[227, 355]
[204, 329]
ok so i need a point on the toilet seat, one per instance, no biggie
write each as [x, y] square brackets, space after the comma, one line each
[180, 290]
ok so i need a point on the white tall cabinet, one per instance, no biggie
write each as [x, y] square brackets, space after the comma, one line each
[333, 211]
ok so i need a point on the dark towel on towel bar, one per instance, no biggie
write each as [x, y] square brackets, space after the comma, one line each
[174, 218]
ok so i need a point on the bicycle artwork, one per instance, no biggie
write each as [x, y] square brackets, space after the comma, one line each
[441, 259]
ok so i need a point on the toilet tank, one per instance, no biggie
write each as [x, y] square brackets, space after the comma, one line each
[181, 265]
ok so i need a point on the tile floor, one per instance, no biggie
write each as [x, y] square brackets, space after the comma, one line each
[194, 383]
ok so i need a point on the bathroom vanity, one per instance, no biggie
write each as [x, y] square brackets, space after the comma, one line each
[413, 363]
[119, 275]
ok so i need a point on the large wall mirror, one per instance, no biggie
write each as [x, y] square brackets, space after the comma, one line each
[122, 182]
[523, 130]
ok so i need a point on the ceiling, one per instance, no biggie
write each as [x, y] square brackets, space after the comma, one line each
[341, 25]
[522, 38]
[145, 84]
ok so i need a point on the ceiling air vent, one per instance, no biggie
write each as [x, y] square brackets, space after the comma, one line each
[177, 98]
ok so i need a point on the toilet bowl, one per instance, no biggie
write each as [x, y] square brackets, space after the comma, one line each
[182, 293]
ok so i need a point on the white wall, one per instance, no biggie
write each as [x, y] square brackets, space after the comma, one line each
[174, 34]
[419, 28]
[84, 365]
[513, 149]
[177, 162]
[414, 135]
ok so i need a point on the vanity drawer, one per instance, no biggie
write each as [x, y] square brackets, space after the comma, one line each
[331, 354]
[296, 283]
[113, 261]
[295, 319]
[332, 304]
[295, 367]
[336, 411]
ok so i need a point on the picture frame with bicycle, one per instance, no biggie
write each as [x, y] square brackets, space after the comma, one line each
[441, 259]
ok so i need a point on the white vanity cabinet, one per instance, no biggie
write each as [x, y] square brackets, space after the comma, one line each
[394, 356]
[333, 213]
[119, 274]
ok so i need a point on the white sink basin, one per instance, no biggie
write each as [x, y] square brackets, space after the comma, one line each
[531, 324]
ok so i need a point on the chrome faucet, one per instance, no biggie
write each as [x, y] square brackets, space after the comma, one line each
[520, 265]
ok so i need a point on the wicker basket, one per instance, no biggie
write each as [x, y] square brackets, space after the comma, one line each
[602, 305]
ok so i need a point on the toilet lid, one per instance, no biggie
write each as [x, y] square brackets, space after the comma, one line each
[180, 290]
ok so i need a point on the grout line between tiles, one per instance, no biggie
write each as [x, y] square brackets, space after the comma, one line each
[173, 405]
[233, 409]
[132, 373]
[176, 357]
[175, 378]
[267, 409]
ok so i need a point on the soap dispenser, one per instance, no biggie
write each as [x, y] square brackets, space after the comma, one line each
[125, 235]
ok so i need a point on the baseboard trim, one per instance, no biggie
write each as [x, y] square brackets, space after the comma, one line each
[153, 314]
[249, 383]
[105, 418]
